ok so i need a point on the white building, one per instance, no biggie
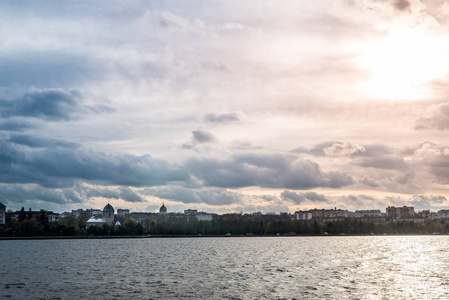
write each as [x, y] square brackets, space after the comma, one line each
[202, 216]
[95, 221]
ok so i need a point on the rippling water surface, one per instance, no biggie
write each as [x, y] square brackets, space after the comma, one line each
[374, 267]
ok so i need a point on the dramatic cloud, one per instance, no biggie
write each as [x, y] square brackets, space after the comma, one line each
[265, 170]
[51, 104]
[190, 195]
[40, 142]
[60, 167]
[99, 101]
[15, 194]
[15, 125]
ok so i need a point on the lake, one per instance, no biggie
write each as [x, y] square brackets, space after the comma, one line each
[327, 267]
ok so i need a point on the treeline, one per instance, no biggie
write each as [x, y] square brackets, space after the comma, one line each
[173, 226]
[289, 227]
[27, 225]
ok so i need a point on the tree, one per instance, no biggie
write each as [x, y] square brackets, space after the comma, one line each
[22, 215]
[139, 229]
[43, 219]
[30, 214]
[130, 227]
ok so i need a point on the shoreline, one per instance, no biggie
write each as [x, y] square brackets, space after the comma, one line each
[201, 236]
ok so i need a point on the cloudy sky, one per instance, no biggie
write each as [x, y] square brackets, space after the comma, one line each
[224, 106]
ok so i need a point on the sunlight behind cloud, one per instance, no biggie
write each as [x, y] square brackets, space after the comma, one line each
[403, 63]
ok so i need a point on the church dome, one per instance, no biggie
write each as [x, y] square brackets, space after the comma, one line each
[108, 208]
[163, 209]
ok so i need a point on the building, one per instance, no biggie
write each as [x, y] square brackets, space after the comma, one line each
[370, 213]
[123, 213]
[443, 214]
[77, 212]
[140, 217]
[203, 216]
[108, 214]
[37, 214]
[404, 212]
[2, 214]
[95, 221]
[321, 214]
[65, 214]
[190, 212]
[52, 217]
[163, 210]
[302, 215]
[93, 212]
[117, 225]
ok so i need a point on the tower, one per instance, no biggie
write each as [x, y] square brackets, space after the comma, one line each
[108, 214]
[163, 210]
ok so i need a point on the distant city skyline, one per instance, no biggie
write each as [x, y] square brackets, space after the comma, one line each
[224, 106]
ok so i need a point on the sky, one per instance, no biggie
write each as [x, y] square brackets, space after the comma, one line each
[224, 106]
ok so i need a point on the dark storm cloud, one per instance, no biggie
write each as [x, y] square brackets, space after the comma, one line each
[60, 167]
[17, 194]
[15, 125]
[129, 195]
[40, 142]
[439, 120]
[301, 197]
[49, 104]
[212, 196]
[221, 118]
[125, 193]
[313, 196]
[292, 196]
[265, 170]
[26, 193]
[97, 191]
[53, 104]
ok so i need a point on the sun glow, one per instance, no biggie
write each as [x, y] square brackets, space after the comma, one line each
[401, 65]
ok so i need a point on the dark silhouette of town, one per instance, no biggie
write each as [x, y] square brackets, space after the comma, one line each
[84, 223]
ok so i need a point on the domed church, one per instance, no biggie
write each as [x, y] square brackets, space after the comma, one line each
[163, 210]
[108, 214]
